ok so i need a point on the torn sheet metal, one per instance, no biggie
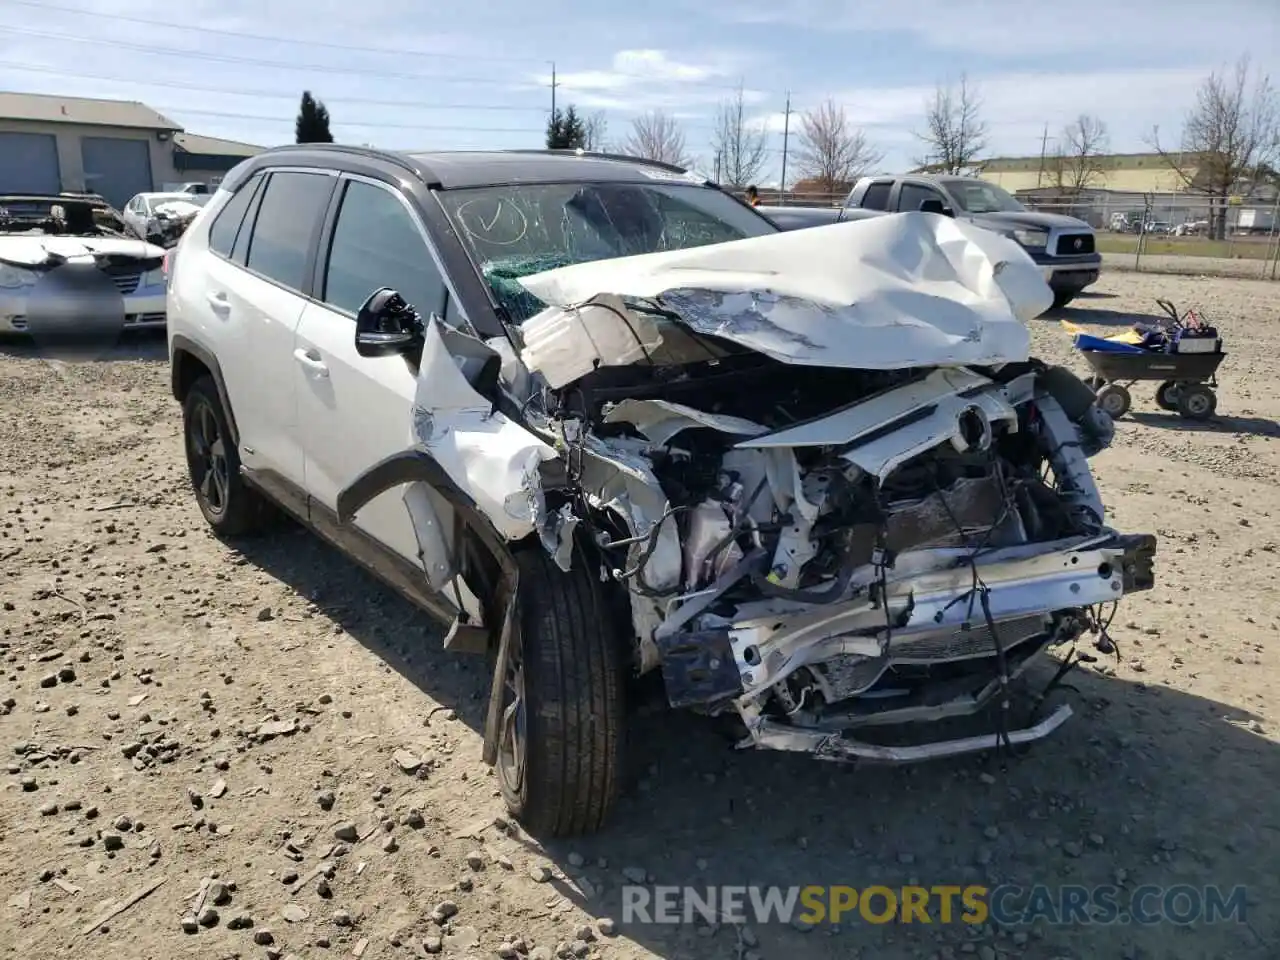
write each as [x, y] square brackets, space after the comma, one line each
[661, 420]
[953, 405]
[567, 344]
[490, 456]
[178, 208]
[618, 479]
[436, 546]
[895, 292]
[43, 251]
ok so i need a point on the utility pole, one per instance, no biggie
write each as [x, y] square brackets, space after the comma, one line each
[553, 89]
[1044, 145]
[786, 136]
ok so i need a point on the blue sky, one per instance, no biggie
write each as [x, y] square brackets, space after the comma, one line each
[398, 74]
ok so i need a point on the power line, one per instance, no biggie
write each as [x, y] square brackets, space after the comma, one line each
[244, 92]
[371, 124]
[144, 48]
[275, 64]
[244, 35]
[292, 96]
[263, 118]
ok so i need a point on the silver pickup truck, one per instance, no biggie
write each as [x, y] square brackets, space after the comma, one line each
[1063, 247]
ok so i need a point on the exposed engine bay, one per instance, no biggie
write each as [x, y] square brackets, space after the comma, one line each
[818, 570]
[41, 233]
[830, 487]
[75, 215]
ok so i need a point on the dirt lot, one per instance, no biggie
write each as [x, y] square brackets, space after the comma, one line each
[175, 710]
[1241, 268]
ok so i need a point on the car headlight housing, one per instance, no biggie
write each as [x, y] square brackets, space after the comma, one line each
[153, 278]
[16, 278]
[1031, 238]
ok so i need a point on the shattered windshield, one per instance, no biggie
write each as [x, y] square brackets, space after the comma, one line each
[517, 230]
[978, 196]
[59, 216]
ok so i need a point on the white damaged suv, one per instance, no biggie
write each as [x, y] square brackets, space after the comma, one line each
[603, 419]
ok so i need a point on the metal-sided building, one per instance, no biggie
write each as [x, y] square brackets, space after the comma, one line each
[115, 148]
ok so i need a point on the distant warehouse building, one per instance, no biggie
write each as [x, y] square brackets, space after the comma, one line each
[1137, 173]
[116, 148]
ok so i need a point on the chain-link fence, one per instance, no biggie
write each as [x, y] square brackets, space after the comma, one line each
[1160, 233]
[1180, 233]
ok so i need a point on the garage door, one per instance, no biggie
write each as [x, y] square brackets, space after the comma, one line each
[29, 163]
[116, 168]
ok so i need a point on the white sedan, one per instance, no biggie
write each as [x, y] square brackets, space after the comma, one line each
[146, 212]
[57, 258]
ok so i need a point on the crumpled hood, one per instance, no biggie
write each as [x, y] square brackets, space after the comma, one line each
[38, 250]
[892, 292]
[177, 208]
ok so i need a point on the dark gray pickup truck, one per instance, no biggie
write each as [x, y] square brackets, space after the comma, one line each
[1063, 247]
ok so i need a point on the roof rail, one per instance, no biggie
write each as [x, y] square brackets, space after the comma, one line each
[399, 159]
[625, 158]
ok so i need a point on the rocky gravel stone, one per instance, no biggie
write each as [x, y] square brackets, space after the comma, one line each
[340, 705]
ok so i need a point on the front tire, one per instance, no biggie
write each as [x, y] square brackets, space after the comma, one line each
[1062, 297]
[560, 747]
[228, 504]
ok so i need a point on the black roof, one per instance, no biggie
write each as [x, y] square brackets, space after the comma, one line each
[452, 170]
[474, 168]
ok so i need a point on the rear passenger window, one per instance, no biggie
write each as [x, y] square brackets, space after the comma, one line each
[877, 196]
[290, 210]
[222, 232]
[376, 243]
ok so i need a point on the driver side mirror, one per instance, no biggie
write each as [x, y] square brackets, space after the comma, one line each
[388, 325]
[936, 206]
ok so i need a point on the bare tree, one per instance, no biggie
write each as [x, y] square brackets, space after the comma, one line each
[1079, 160]
[832, 151]
[954, 130]
[656, 136]
[1230, 138]
[596, 129]
[741, 148]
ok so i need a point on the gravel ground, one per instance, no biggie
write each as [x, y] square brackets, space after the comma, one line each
[1240, 267]
[227, 722]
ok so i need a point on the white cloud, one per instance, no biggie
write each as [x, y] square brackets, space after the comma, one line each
[630, 68]
[647, 79]
[770, 122]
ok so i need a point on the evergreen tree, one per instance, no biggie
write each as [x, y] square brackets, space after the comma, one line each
[566, 130]
[312, 125]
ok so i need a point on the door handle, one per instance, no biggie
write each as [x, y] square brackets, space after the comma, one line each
[218, 301]
[311, 360]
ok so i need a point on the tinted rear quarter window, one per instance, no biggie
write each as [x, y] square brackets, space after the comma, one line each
[877, 196]
[286, 223]
[222, 232]
[377, 244]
